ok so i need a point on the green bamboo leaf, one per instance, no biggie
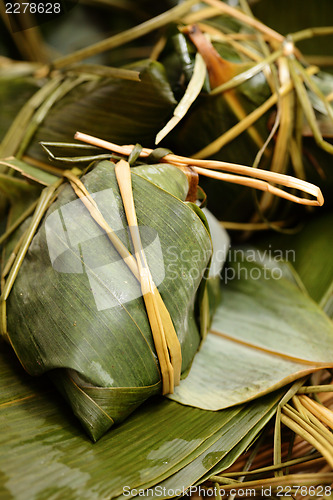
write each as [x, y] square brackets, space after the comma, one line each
[20, 195]
[24, 119]
[191, 93]
[208, 118]
[29, 172]
[262, 338]
[313, 257]
[44, 454]
[91, 324]
[216, 457]
[309, 253]
[15, 189]
[122, 111]
[14, 92]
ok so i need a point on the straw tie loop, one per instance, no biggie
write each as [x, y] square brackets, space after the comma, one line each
[259, 179]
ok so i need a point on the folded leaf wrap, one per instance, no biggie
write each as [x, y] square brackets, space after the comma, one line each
[76, 311]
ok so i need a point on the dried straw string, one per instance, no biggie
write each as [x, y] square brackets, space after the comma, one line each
[250, 119]
[165, 338]
[86, 198]
[207, 168]
[324, 414]
[230, 38]
[308, 431]
[123, 175]
[241, 16]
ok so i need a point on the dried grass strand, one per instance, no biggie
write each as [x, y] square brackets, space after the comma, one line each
[244, 18]
[123, 175]
[204, 167]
